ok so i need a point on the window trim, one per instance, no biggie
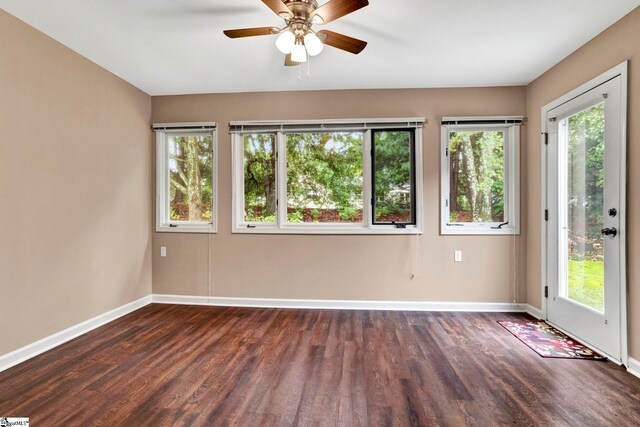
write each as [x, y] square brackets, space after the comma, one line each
[163, 131]
[281, 128]
[511, 127]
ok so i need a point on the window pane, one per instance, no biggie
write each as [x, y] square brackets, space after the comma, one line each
[393, 177]
[585, 206]
[476, 180]
[260, 177]
[190, 160]
[324, 177]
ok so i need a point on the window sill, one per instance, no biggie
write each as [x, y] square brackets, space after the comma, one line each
[330, 230]
[478, 231]
[186, 228]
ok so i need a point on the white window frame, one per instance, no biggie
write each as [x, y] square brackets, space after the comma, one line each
[163, 132]
[510, 125]
[281, 128]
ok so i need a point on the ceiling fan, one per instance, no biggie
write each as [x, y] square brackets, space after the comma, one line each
[297, 39]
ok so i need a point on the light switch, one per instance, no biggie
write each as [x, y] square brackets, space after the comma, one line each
[457, 256]
[163, 251]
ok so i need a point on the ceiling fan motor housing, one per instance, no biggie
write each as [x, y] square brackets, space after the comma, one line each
[301, 21]
[302, 8]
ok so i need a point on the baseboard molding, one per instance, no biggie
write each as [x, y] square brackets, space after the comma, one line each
[533, 311]
[340, 304]
[634, 367]
[31, 350]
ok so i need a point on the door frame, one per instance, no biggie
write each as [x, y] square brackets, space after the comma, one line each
[618, 70]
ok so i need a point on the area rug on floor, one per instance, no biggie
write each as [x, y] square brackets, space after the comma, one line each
[547, 341]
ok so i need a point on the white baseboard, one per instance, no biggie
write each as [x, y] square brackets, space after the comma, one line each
[634, 367]
[533, 311]
[340, 304]
[31, 350]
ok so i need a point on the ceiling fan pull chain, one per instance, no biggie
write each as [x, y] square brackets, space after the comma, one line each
[300, 71]
[309, 67]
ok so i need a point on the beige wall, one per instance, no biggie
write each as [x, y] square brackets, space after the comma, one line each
[340, 267]
[75, 188]
[618, 43]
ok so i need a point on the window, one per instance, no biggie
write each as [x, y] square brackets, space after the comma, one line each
[393, 177]
[334, 177]
[480, 175]
[185, 177]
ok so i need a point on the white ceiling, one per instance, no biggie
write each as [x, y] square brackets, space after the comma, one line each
[177, 46]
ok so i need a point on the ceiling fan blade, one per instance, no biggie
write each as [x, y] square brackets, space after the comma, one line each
[340, 41]
[279, 8]
[334, 9]
[250, 32]
[288, 62]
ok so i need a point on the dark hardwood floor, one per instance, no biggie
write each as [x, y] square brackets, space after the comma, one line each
[167, 365]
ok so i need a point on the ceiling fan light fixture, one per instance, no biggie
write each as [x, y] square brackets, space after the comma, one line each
[313, 44]
[285, 42]
[299, 53]
[297, 39]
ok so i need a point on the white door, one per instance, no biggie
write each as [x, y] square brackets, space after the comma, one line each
[585, 217]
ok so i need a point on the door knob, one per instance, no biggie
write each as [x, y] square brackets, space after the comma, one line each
[609, 231]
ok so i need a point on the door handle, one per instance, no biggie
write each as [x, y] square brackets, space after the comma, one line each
[609, 231]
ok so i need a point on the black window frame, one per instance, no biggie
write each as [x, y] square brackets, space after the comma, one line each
[412, 159]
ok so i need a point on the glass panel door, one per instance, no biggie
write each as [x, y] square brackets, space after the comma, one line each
[585, 227]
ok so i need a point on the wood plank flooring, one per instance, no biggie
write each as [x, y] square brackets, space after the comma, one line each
[167, 365]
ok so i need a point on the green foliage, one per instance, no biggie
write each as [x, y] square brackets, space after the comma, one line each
[476, 176]
[586, 283]
[294, 216]
[259, 217]
[348, 213]
[383, 211]
[497, 197]
[463, 203]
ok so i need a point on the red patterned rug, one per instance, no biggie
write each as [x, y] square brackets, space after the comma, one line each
[547, 341]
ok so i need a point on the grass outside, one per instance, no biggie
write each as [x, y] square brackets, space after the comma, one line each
[586, 283]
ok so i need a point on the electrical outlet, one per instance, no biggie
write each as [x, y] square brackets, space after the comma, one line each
[457, 256]
[163, 251]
